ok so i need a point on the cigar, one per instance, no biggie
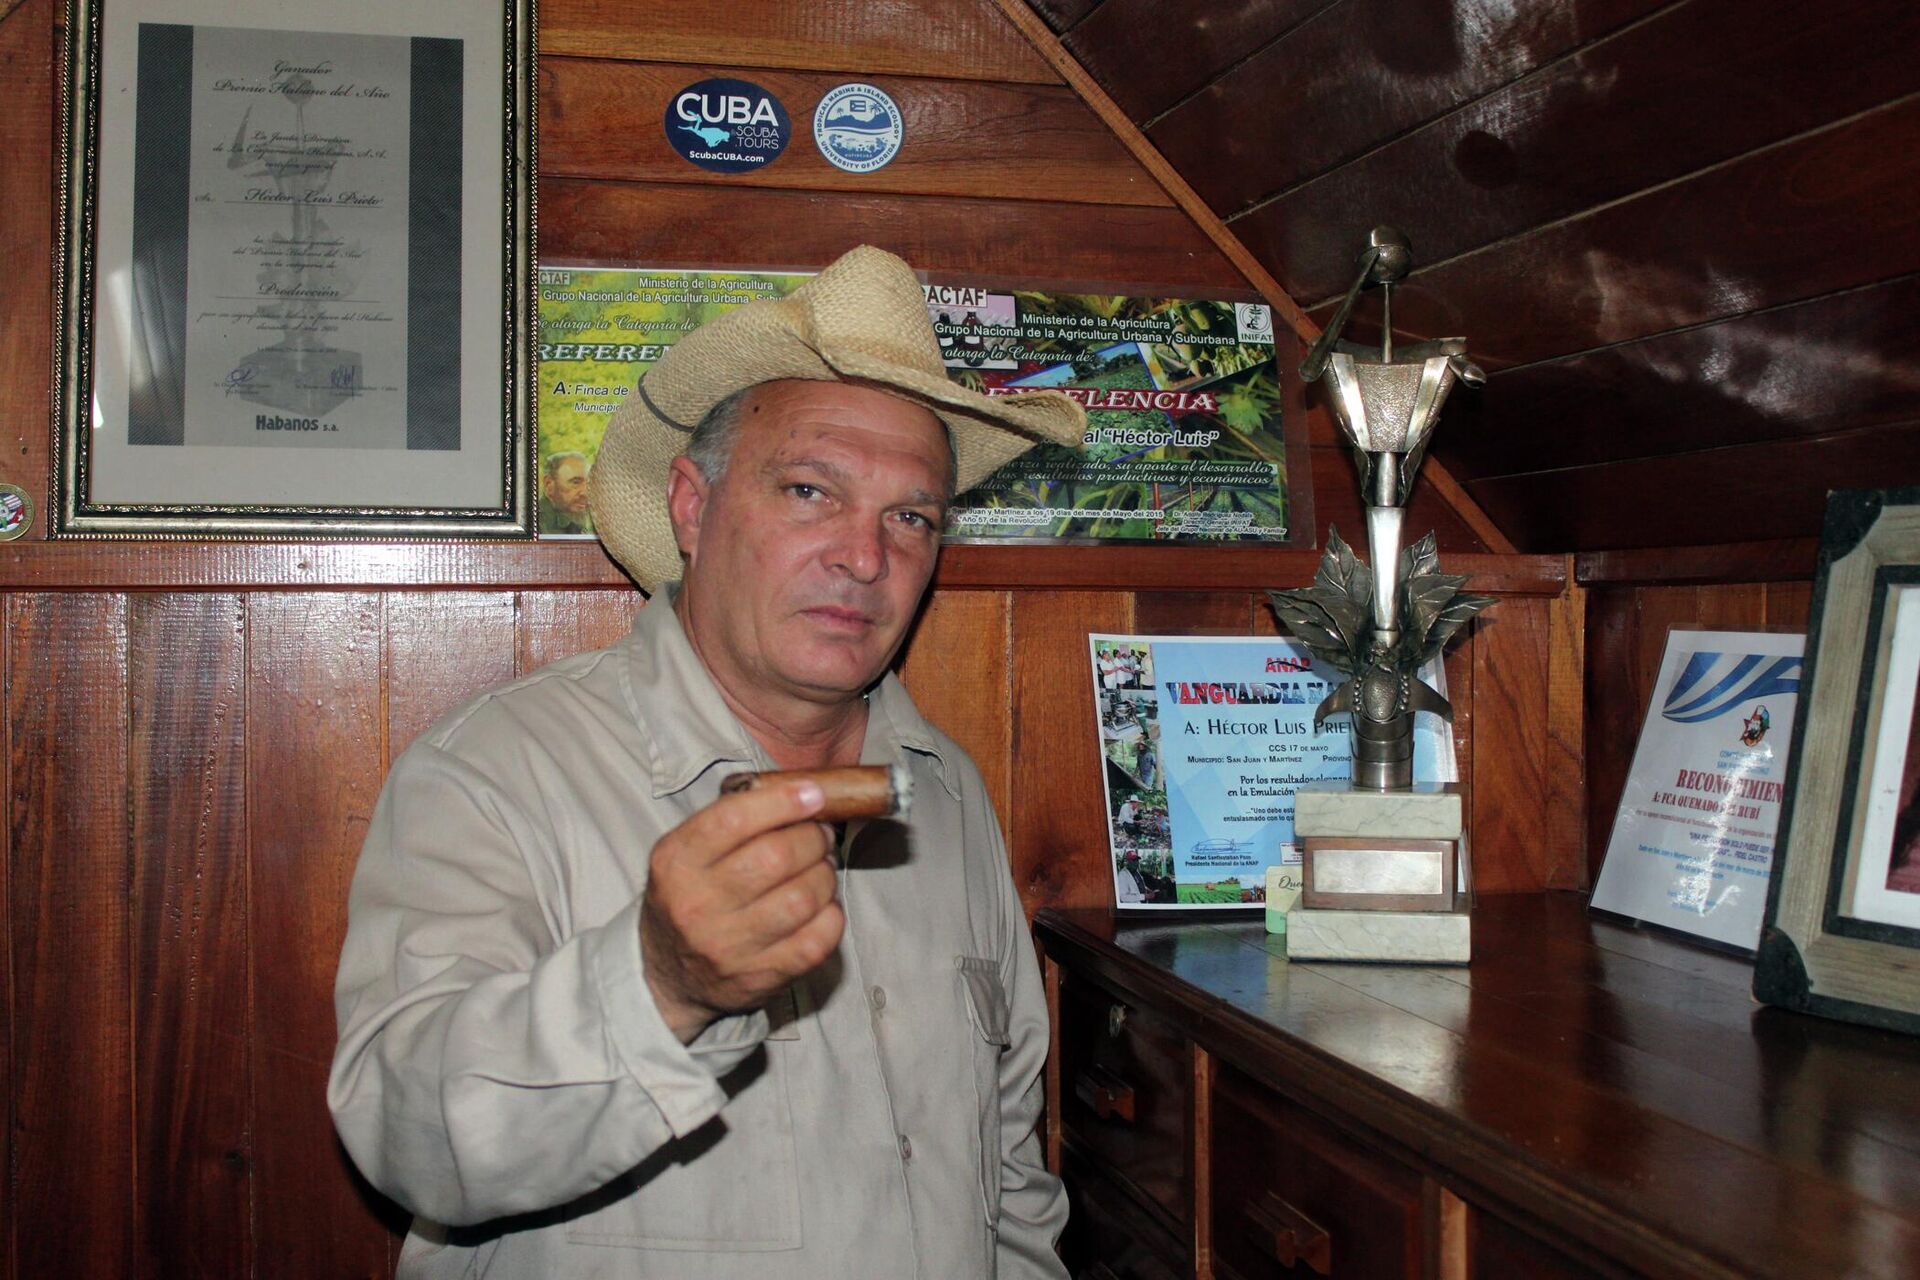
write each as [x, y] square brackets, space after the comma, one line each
[857, 791]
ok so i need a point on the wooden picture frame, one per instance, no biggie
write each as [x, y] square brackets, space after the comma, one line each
[296, 269]
[1841, 937]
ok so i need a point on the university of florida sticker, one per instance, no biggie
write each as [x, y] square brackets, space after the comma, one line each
[858, 128]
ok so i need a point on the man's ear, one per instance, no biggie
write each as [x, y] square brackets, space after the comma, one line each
[687, 493]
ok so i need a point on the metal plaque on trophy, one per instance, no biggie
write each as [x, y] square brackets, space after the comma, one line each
[1384, 871]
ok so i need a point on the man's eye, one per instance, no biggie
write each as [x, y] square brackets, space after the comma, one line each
[805, 492]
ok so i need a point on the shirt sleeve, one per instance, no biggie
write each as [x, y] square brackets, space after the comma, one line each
[1033, 1202]
[489, 1062]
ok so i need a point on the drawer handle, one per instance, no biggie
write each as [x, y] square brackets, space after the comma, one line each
[1290, 1236]
[1105, 1093]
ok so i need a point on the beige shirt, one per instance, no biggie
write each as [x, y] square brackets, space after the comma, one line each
[502, 1070]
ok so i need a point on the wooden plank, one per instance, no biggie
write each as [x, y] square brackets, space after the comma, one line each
[1356, 75]
[958, 666]
[1060, 834]
[206, 566]
[967, 39]
[443, 648]
[1511, 751]
[1614, 709]
[1150, 55]
[1776, 489]
[1807, 369]
[1566, 798]
[315, 760]
[599, 119]
[559, 624]
[193, 1076]
[73, 1091]
[26, 250]
[1196, 613]
[1554, 143]
[658, 224]
[8, 1050]
[1789, 604]
[1788, 559]
[1062, 14]
[1776, 225]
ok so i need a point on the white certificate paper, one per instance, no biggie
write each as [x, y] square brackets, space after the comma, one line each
[1692, 845]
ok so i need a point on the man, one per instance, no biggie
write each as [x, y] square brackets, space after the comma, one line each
[563, 494]
[598, 1021]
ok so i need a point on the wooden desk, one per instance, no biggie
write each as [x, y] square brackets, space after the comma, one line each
[1583, 1100]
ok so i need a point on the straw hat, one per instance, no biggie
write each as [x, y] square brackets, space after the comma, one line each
[864, 318]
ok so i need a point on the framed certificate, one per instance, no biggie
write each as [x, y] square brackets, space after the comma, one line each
[296, 269]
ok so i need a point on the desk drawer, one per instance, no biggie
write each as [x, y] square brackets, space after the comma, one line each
[1293, 1196]
[1109, 1237]
[1126, 1081]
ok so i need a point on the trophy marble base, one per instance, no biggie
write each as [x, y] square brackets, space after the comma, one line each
[1403, 937]
[1382, 876]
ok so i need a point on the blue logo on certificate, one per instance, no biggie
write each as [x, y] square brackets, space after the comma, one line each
[1204, 742]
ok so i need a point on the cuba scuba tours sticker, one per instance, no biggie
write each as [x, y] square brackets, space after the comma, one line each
[858, 128]
[728, 126]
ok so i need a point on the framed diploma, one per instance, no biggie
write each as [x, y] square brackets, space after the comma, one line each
[296, 279]
[1841, 935]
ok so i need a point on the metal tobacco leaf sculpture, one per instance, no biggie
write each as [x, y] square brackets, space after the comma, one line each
[1334, 617]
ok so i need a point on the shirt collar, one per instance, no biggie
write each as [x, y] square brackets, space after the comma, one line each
[690, 728]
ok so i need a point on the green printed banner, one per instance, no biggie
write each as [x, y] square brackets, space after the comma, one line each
[1183, 441]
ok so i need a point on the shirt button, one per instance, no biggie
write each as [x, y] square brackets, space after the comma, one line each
[906, 1147]
[878, 998]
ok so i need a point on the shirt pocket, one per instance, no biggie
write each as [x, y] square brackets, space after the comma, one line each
[731, 1186]
[990, 1014]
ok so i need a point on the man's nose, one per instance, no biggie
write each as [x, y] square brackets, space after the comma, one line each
[861, 551]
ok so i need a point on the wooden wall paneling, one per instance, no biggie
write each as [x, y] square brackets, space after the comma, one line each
[193, 1074]
[957, 665]
[1060, 835]
[1150, 56]
[968, 39]
[1805, 369]
[315, 762]
[1512, 836]
[661, 223]
[559, 624]
[27, 139]
[442, 648]
[1637, 108]
[8, 1050]
[1566, 798]
[1777, 560]
[1197, 613]
[1772, 490]
[1062, 14]
[1663, 608]
[1359, 73]
[1789, 604]
[72, 1174]
[1613, 711]
[963, 138]
[1787, 222]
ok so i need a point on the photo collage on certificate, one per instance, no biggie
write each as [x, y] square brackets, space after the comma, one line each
[1184, 437]
[1203, 742]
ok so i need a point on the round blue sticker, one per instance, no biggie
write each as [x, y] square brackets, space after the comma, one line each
[858, 128]
[728, 126]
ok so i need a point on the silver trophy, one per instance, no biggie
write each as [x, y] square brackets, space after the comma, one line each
[1380, 844]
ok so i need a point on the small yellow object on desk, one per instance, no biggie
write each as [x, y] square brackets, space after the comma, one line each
[1283, 890]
